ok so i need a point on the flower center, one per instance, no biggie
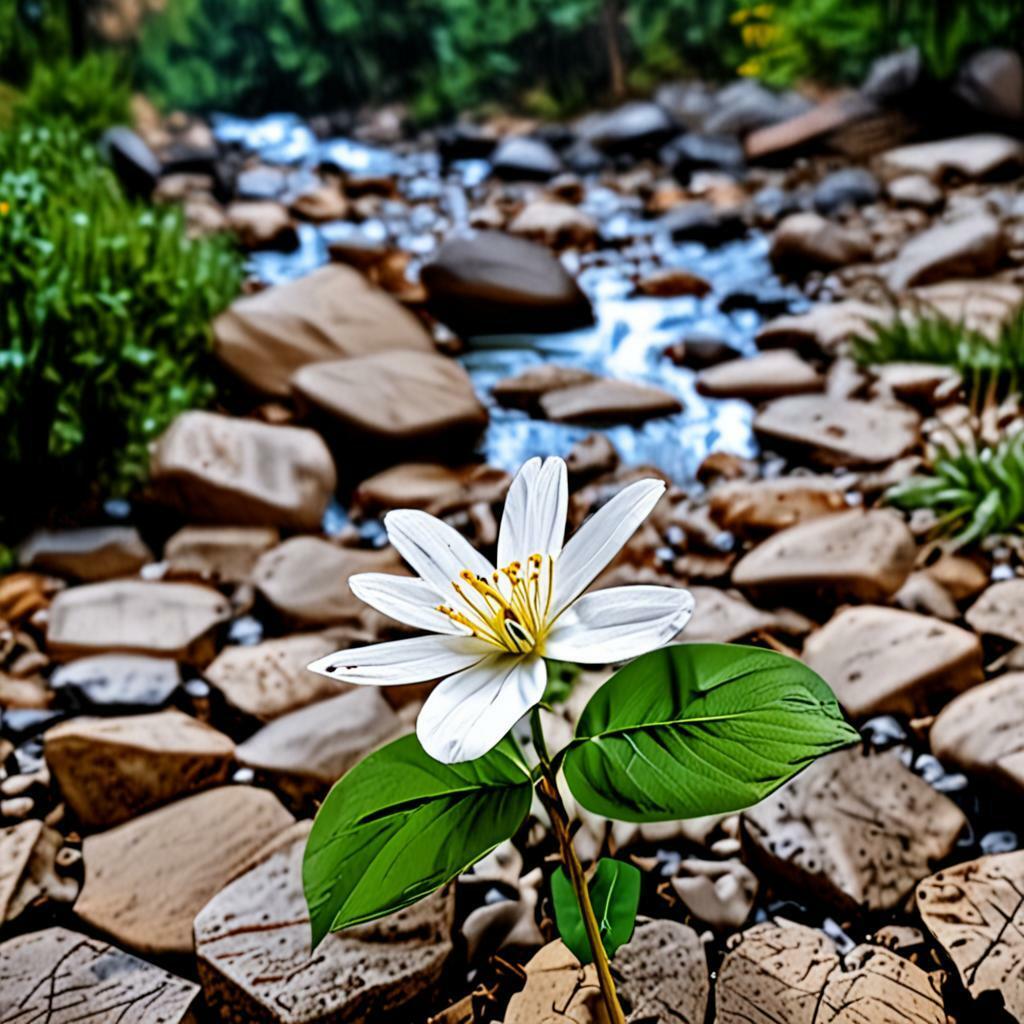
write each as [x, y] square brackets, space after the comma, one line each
[509, 611]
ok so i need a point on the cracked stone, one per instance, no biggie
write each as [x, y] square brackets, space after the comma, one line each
[28, 872]
[753, 508]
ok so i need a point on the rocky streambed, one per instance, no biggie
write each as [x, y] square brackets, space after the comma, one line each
[670, 288]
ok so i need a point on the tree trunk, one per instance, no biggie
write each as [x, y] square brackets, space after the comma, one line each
[610, 18]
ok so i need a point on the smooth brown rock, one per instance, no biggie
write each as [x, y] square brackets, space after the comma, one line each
[753, 508]
[720, 892]
[913, 381]
[854, 830]
[864, 556]
[255, 964]
[432, 487]
[262, 224]
[28, 873]
[723, 616]
[822, 328]
[669, 282]
[616, 401]
[976, 913]
[758, 378]
[224, 469]
[839, 432]
[146, 880]
[966, 247]
[916, 190]
[221, 554]
[173, 620]
[969, 156]
[61, 977]
[999, 611]
[525, 389]
[332, 312]
[883, 660]
[554, 223]
[323, 203]
[89, 554]
[113, 769]
[807, 241]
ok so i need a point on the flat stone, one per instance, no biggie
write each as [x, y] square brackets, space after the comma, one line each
[883, 660]
[557, 990]
[670, 282]
[807, 241]
[839, 432]
[976, 913]
[917, 190]
[262, 224]
[220, 554]
[325, 202]
[615, 401]
[804, 129]
[113, 769]
[979, 731]
[271, 678]
[61, 977]
[913, 381]
[753, 508]
[28, 874]
[858, 555]
[699, 351]
[432, 487]
[239, 472]
[635, 127]
[146, 880]
[761, 377]
[703, 222]
[847, 188]
[969, 156]
[89, 554]
[332, 312]
[554, 223]
[521, 158]
[171, 620]
[854, 830]
[720, 892]
[255, 964]
[822, 328]
[117, 681]
[999, 611]
[970, 246]
[724, 616]
[525, 389]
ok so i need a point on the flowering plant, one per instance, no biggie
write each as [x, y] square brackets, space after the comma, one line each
[684, 730]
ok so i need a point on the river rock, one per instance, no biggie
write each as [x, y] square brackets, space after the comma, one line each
[725, 616]
[966, 247]
[135, 164]
[525, 389]
[487, 282]
[171, 620]
[883, 660]
[557, 990]
[839, 431]
[845, 188]
[432, 487]
[236, 471]
[325, 202]
[146, 880]
[859, 555]
[62, 977]
[704, 223]
[991, 81]
[1000, 611]
[113, 769]
[28, 873]
[220, 554]
[271, 678]
[917, 190]
[857, 831]
[262, 224]
[753, 508]
[89, 554]
[636, 128]
[745, 105]
[554, 223]
[116, 681]
[807, 241]
[332, 312]
[761, 377]
[976, 913]
[822, 328]
[606, 400]
[720, 892]
[255, 964]
[969, 156]
[521, 158]
[780, 971]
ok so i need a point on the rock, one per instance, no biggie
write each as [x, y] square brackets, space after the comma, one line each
[975, 157]
[554, 223]
[979, 731]
[521, 158]
[304, 752]
[701, 222]
[557, 990]
[724, 616]
[746, 105]
[780, 142]
[970, 246]
[134, 163]
[332, 312]
[225, 469]
[221, 554]
[1000, 611]
[487, 282]
[893, 77]
[146, 880]
[698, 351]
[698, 151]
[62, 977]
[255, 964]
[839, 432]
[171, 620]
[306, 579]
[502, 923]
[976, 913]
[590, 457]
[917, 190]
[90, 553]
[326, 202]
[113, 769]
[845, 188]
[262, 224]
[636, 128]
[913, 381]
[753, 508]
[116, 681]
[271, 678]
[673, 281]
[991, 81]
[923, 594]
[525, 389]
[720, 892]
[432, 487]
[807, 241]
[858, 555]
[961, 577]
[764, 376]
[261, 182]
[392, 409]
[882, 660]
[822, 328]
[28, 874]
[615, 401]
[783, 971]
[854, 830]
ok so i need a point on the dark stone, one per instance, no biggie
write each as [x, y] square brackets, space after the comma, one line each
[693, 152]
[583, 158]
[134, 163]
[991, 82]
[699, 351]
[747, 105]
[766, 302]
[851, 186]
[487, 282]
[702, 222]
[773, 203]
[464, 142]
[19, 724]
[635, 128]
[522, 158]
[894, 76]
[688, 103]
[116, 682]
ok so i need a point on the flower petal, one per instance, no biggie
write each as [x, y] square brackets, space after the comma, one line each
[600, 539]
[434, 549]
[403, 661]
[469, 713]
[406, 599]
[533, 521]
[619, 623]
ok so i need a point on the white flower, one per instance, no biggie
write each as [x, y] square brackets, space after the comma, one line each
[494, 627]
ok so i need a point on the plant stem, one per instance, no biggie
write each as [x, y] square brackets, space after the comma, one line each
[547, 789]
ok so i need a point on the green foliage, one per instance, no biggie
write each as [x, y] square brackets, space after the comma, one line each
[105, 310]
[400, 825]
[31, 35]
[975, 492]
[697, 729]
[614, 894]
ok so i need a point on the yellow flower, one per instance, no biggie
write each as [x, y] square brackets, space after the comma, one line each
[5, 208]
[764, 11]
[749, 69]
[740, 16]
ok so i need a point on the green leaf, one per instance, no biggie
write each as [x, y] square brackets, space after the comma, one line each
[614, 894]
[400, 825]
[696, 729]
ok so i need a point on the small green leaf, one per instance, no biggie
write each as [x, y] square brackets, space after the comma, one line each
[614, 894]
[697, 729]
[400, 825]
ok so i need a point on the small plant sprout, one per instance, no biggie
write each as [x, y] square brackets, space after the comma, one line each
[683, 730]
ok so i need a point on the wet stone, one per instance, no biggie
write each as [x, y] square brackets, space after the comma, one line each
[916, 190]
[970, 156]
[432, 487]
[262, 224]
[525, 389]
[614, 401]
[221, 554]
[116, 681]
[999, 611]
[635, 128]
[761, 377]
[557, 224]
[28, 873]
[88, 554]
[753, 508]
[806, 241]
[845, 188]
[521, 158]
[671, 282]
[699, 351]
[971, 246]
